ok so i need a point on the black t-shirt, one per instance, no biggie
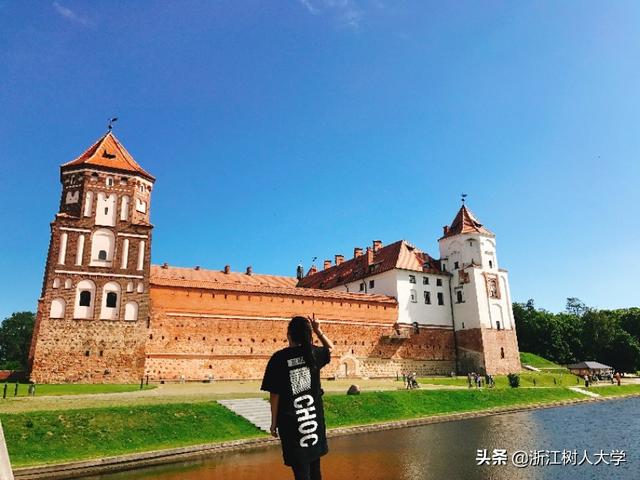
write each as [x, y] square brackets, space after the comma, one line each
[300, 412]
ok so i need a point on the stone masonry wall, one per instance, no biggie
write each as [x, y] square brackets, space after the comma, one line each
[230, 335]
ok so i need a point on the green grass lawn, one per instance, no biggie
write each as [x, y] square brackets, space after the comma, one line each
[371, 407]
[70, 389]
[527, 379]
[55, 436]
[614, 390]
[538, 361]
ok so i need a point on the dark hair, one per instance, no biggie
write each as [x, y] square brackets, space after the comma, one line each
[300, 332]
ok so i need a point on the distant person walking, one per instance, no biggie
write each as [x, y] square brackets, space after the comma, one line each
[618, 378]
[297, 415]
[586, 381]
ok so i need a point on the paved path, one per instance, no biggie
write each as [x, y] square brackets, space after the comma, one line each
[584, 392]
[5, 465]
[256, 410]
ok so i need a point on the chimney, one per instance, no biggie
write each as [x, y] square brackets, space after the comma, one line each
[249, 270]
[299, 272]
[369, 255]
[357, 251]
[197, 267]
[445, 229]
[165, 265]
[327, 264]
[377, 245]
[227, 269]
[339, 259]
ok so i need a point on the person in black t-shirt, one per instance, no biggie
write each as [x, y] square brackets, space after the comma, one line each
[292, 378]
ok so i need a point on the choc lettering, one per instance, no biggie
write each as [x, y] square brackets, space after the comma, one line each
[297, 403]
[304, 440]
[308, 427]
[305, 414]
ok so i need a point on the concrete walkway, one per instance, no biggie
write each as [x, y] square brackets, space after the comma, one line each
[584, 392]
[255, 410]
[5, 465]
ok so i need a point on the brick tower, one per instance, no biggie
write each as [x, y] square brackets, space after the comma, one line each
[93, 313]
[480, 297]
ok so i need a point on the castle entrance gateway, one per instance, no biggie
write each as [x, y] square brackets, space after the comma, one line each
[349, 367]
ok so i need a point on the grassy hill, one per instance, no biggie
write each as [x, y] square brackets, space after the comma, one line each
[537, 361]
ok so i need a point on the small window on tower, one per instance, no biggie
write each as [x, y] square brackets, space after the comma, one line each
[456, 265]
[498, 326]
[501, 352]
[112, 300]
[102, 255]
[414, 296]
[425, 280]
[372, 283]
[459, 296]
[85, 298]
[440, 298]
[412, 279]
[427, 298]
[109, 181]
[490, 263]
[362, 287]
[438, 282]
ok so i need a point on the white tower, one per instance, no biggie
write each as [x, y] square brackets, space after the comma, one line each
[480, 296]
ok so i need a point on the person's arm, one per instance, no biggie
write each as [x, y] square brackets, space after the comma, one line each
[315, 325]
[274, 399]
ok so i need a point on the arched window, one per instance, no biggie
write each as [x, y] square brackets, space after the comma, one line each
[68, 283]
[102, 248]
[109, 181]
[130, 287]
[88, 204]
[57, 308]
[131, 311]
[124, 207]
[56, 282]
[85, 296]
[110, 301]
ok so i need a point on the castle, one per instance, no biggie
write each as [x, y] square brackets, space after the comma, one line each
[107, 315]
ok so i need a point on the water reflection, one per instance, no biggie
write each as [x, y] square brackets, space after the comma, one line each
[446, 450]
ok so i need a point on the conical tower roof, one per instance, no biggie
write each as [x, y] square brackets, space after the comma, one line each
[465, 222]
[108, 153]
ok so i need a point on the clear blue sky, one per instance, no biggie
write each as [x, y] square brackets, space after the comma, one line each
[280, 131]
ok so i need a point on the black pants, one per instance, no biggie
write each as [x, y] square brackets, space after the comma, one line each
[307, 471]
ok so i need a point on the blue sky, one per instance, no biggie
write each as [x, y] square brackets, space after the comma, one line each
[281, 131]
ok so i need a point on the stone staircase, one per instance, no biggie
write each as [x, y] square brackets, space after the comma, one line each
[255, 410]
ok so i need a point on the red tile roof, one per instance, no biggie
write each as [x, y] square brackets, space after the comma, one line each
[256, 283]
[109, 153]
[400, 254]
[465, 222]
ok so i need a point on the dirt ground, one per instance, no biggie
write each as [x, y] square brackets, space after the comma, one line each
[175, 393]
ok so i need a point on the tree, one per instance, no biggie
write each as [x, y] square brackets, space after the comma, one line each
[576, 307]
[15, 340]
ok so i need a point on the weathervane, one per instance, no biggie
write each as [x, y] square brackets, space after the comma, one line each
[464, 196]
[111, 122]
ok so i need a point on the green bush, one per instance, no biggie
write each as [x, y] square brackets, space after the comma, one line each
[514, 380]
